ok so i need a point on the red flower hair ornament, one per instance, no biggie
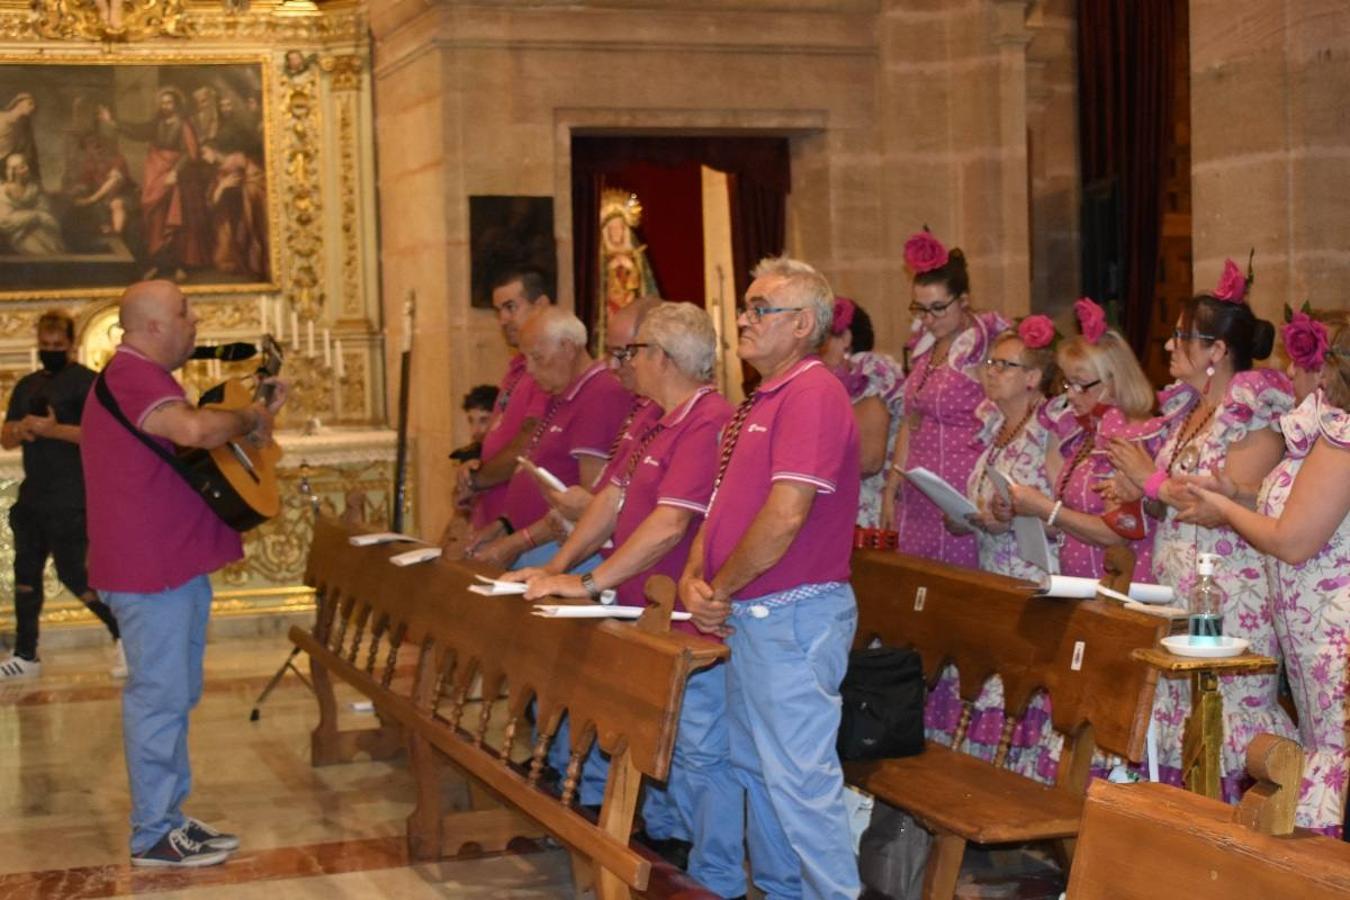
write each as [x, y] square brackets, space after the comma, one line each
[842, 320]
[1036, 332]
[924, 253]
[1091, 319]
[1306, 341]
[1233, 285]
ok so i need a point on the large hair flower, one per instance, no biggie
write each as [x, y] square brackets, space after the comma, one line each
[924, 253]
[1233, 285]
[843, 315]
[1037, 332]
[1091, 319]
[1306, 341]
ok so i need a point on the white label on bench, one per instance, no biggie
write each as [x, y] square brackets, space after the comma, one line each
[919, 596]
[1077, 662]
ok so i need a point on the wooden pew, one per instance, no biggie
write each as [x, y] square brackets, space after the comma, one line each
[621, 685]
[1078, 651]
[1142, 841]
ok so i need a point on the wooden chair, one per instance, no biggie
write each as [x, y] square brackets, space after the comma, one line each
[1143, 841]
[1078, 651]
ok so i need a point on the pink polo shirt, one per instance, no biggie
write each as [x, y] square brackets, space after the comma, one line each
[800, 428]
[148, 530]
[644, 414]
[518, 398]
[581, 421]
[677, 468]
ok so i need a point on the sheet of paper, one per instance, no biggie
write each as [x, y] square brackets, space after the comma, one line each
[491, 587]
[1085, 588]
[948, 499]
[383, 537]
[595, 611]
[1000, 481]
[413, 557]
[544, 475]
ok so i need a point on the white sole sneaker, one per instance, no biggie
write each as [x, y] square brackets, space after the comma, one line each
[16, 668]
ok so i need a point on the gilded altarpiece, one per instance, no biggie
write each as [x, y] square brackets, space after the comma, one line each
[320, 296]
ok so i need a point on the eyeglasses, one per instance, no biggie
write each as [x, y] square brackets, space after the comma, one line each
[1179, 335]
[623, 354]
[754, 313]
[1002, 365]
[934, 311]
[1076, 388]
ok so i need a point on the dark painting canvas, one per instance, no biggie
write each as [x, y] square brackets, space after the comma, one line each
[510, 233]
[117, 172]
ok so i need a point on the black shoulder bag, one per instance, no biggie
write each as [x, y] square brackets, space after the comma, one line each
[883, 698]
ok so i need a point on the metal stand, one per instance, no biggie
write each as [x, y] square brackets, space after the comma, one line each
[307, 491]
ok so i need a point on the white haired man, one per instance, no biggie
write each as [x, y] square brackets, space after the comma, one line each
[773, 557]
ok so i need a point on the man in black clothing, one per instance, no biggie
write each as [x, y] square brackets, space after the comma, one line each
[48, 518]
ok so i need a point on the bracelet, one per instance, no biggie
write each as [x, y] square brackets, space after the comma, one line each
[1054, 513]
[506, 525]
[1154, 484]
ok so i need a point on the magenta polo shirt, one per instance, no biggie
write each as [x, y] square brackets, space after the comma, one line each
[148, 530]
[677, 468]
[518, 398]
[581, 421]
[800, 428]
[644, 414]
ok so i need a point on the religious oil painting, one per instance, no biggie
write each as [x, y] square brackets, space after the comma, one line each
[118, 171]
[510, 233]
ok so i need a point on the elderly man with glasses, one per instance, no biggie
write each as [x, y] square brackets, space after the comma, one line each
[769, 572]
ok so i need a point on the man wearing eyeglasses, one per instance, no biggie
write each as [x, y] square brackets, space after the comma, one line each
[517, 294]
[769, 571]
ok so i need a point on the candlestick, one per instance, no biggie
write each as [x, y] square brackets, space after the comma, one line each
[309, 338]
[341, 363]
[295, 331]
[215, 370]
[327, 349]
[262, 313]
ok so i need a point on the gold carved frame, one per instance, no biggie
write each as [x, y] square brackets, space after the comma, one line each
[115, 55]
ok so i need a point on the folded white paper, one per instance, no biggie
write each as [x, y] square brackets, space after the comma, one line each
[594, 611]
[1076, 588]
[1164, 612]
[948, 499]
[413, 557]
[542, 474]
[491, 587]
[383, 537]
[1028, 530]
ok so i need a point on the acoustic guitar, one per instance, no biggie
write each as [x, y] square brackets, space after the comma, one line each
[238, 480]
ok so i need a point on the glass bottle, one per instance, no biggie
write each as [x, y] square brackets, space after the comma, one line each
[1206, 602]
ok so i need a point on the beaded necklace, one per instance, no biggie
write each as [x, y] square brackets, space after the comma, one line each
[1002, 443]
[1184, 452]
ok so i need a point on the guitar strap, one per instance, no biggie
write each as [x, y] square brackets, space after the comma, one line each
[199, 483]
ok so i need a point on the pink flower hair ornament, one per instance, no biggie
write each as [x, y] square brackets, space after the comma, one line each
[842, 320]
[1037, 332]
[1233, 285]
[924, 253]
[1091, 319]
[1306, 341]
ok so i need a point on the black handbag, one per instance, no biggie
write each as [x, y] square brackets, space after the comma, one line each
[883, 696]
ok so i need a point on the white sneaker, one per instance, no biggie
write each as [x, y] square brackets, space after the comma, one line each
[16, 668]
[119, 668]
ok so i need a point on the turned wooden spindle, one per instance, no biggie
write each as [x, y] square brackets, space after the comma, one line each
[569, 788]
[960, 735]
[1005, 739]
[376, 634]
[391, 663]
[537, 754]
[361, 619]
[344, 620]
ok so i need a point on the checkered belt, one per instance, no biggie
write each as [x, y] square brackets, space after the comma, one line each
[759, 607]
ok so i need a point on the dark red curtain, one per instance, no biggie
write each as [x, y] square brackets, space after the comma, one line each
[664, 173]
[1126, 82]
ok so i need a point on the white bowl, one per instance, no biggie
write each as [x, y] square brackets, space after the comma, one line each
[1212, 648]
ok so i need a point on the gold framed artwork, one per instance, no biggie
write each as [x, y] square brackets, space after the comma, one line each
[114, 170]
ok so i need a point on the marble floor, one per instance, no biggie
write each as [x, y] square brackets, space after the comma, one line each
[330, 832]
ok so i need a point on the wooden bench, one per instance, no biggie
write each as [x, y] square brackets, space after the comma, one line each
[986, 625]
[1142, 841]
[414, 640]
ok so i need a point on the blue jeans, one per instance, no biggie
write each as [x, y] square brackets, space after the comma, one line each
[702, 800]
[783, 708]
[164, 637]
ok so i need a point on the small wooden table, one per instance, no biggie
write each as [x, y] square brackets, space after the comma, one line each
[1202, 740]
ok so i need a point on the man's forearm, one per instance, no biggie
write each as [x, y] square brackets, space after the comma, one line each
[767, 539]
[592, 530]
[68, 433]
[502, 465]
[656, 536]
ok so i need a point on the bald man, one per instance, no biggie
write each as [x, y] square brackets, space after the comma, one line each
[153, 543]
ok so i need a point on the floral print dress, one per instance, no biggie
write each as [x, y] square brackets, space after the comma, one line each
[940, 402]
[866, 375]
[1255, 400]
[1311, 608]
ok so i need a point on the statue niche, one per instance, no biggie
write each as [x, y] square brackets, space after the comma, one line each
[625, 273]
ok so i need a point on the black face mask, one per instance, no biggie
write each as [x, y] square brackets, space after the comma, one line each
[53, 360]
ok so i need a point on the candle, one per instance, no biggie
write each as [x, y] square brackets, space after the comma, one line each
[295, 330]
[262, 313]
[33, 358]
[341, 364]
[309, 338]
[215, 369]
[327, 349]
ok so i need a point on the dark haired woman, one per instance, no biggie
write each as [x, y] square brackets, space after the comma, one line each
[876, 385]
[1224, 415]
[941, 393]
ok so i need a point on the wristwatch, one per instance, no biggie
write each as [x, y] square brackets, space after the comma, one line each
[589, 586]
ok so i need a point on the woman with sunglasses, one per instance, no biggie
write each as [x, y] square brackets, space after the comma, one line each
[1107, 396]
[941, 393]
[876, 385]
[1302, 521]
[1225, 415]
